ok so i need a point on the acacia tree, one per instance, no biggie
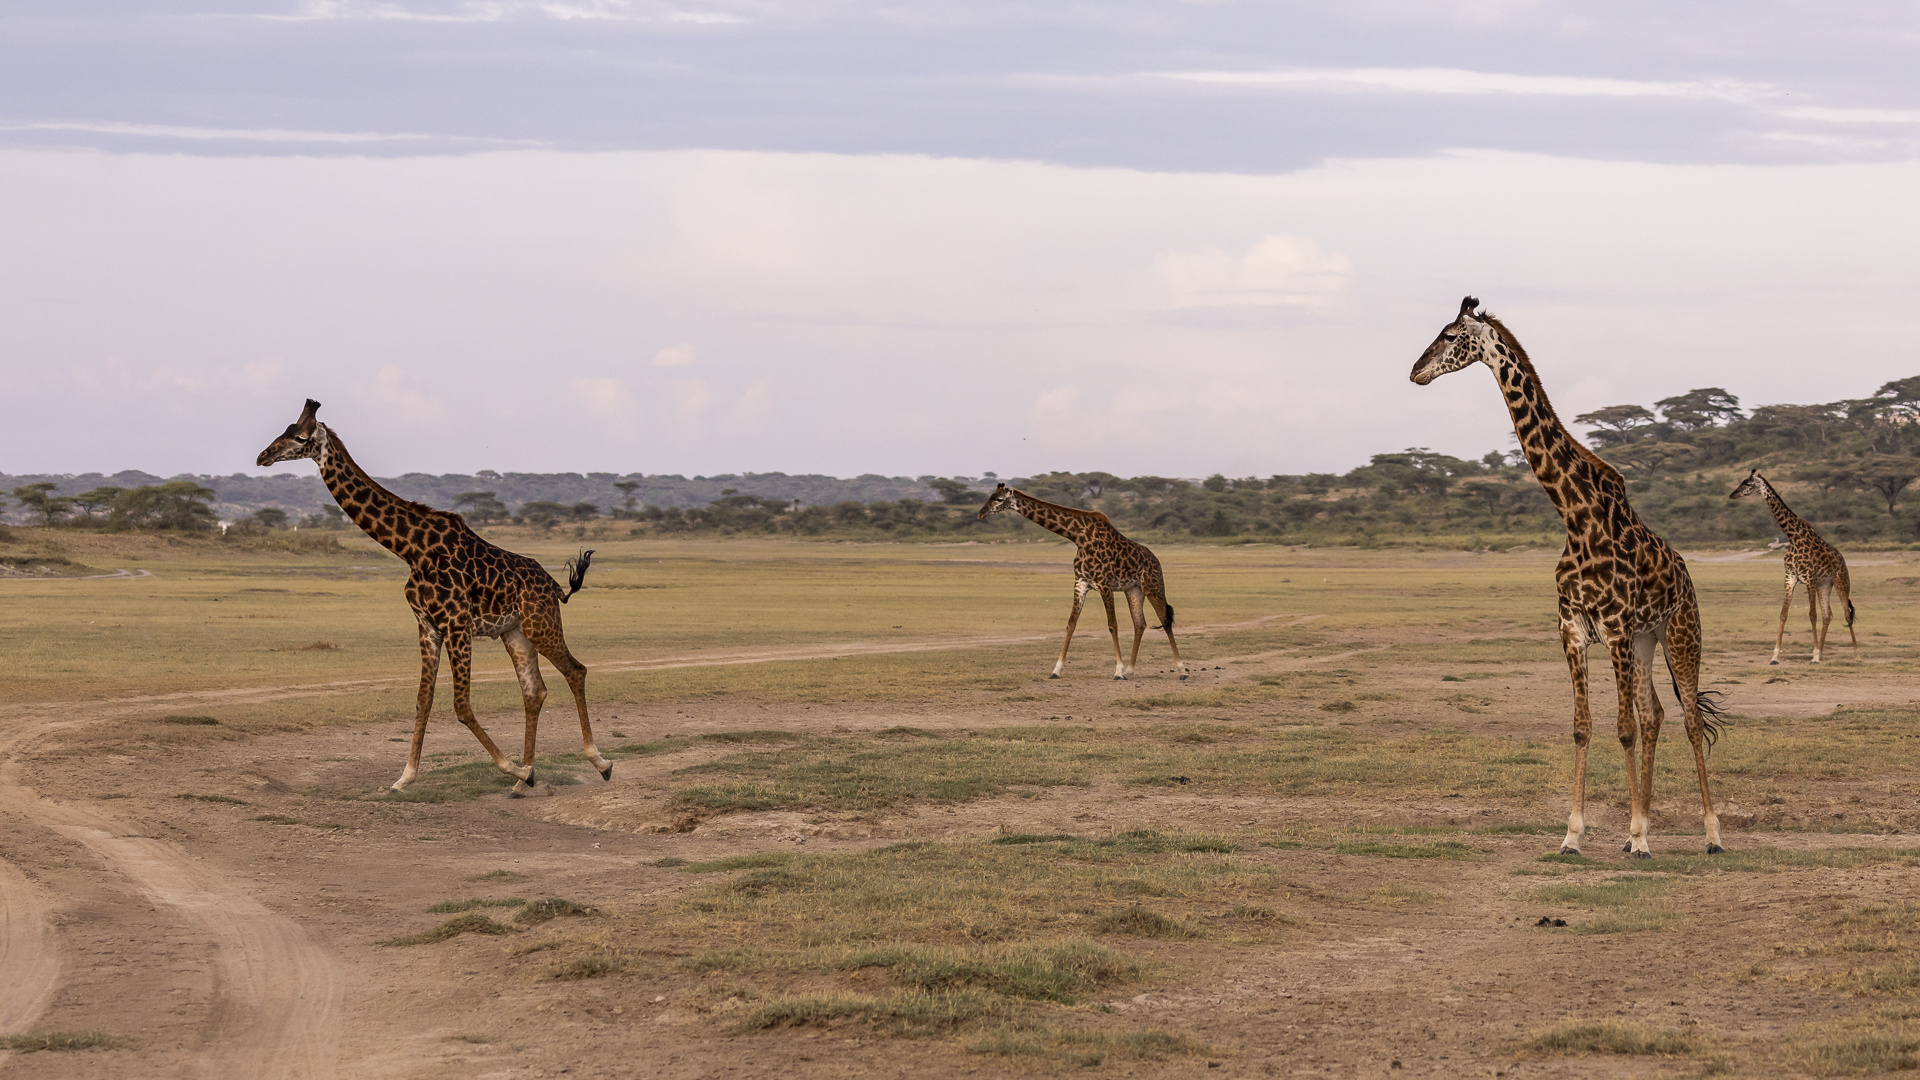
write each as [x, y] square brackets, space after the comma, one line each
[96, 501]
[482, 506]
[1617, 425]
[40, 499]
[1706, 407]
[1887, 474]
[176, 504]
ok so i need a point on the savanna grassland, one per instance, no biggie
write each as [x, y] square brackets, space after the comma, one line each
[853, 829]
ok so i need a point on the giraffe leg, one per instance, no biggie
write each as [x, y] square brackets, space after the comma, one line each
[423, 704]
[533, 689]
[1683, 661]
[460, 653]
[1628, 686]
[1826, 620]
[1136, 606]
[1113, 631]
[1574, 640]
[1647, 706]
[1786, 605]
[553, 645]
[1813, 617]
[1846, 604]
[1158, 598]
[1079, 597]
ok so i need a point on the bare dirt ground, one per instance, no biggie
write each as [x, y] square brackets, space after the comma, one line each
[210, 943]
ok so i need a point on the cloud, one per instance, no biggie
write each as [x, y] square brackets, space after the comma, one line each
[281, 135]
[392, 388]
[1852, 116]
[495, 11]
[1279, 270]
[606, 399]
[1461, 81]
[674, 356]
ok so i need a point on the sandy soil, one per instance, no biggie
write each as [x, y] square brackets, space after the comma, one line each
[215, 945]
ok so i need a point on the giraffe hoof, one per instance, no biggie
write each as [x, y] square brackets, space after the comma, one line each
[1183, 678]
[1565, 850]
[1643, 854]
[1627, 847]
[607, 773]
[1055, 675]
[1773, 663]
[1716, 849]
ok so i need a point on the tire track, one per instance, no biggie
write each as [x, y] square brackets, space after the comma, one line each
[277, 992]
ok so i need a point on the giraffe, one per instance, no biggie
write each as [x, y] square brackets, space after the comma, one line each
[461, 586]
[1106, 561]
[1810, 559]
[1619, 584]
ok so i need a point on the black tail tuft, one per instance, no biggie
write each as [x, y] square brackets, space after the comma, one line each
[1168, 625]
[577, 573]
[1713, 714]
[1849, 611]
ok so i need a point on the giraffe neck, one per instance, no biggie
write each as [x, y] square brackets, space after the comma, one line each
[1791, 523]
[1078, 526]
[1574, 477]
[393, 522]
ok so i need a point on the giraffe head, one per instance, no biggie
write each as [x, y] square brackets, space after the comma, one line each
[1468, 338]
[1001, 499]
[1754, 484]
[302, 439]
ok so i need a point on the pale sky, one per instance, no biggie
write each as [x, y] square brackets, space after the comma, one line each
[849, 237]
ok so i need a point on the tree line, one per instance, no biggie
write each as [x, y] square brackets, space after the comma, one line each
[1845, 465]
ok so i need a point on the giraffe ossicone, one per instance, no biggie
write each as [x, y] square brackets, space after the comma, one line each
[1619, 585]
[460, 587]
[1104, 560]
[1810, 560]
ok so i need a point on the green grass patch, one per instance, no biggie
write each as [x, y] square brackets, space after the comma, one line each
[1140, 922]
[1875, 1042]
[1623, 905]
[499, 875]
[1031, 838]
[472, 923]
[1613, 1037]
[450, 907]
[552, 908]
[228, 800]
[190, 721]
[58, 1041]
[1445, 850]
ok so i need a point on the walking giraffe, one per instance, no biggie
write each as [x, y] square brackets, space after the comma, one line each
[461, 586]
[1619, 584]
[1810, 559]
[1106, 561]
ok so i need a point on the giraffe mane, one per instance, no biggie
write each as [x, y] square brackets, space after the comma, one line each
[1526, 363]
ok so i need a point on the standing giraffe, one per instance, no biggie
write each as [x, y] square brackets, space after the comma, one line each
[1619, 584]
[1106, 561]
[460, 586]
[1810, 559]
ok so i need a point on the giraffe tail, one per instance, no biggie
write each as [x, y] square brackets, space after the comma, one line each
[1849, 611]
[577, 573]
[1168, 625]
[1713, 714]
